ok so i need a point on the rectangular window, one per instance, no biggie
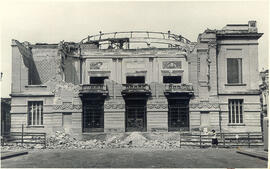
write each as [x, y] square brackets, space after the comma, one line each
[135, 79]
[234, 70]
[98, 80]
[171, 79]
[35, 113]
[235, 111]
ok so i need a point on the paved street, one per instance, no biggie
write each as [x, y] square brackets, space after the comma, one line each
[123, 158]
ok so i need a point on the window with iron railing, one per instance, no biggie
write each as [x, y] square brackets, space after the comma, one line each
[235, 111]
[35, 113]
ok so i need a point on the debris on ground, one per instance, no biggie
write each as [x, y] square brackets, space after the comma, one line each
[62, 140]
[134, 139]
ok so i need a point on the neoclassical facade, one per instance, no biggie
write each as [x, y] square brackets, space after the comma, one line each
[139, 81]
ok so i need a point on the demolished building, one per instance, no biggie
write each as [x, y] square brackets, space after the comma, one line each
[139, 81]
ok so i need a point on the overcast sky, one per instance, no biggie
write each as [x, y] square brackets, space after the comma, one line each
[53, 21]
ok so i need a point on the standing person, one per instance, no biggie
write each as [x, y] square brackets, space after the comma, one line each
[214, 139]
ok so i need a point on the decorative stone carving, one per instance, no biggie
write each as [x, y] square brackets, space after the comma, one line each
[107, 106]
[114, 106]
[98, 65]
[157, 106]
[212, 44]
[95, 65]
[204, 105]
[67, 106]
[172, 65]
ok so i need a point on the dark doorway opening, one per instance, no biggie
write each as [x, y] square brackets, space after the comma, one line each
[93, 115]
[178, 114]
[135, 79]
[172, 79]
[135, 115]
[98, 80]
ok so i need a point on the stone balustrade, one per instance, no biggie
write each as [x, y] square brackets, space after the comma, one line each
[93, 88]
[178, 88]
[136, 87]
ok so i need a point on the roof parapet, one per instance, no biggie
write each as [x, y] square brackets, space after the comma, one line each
[251, 27]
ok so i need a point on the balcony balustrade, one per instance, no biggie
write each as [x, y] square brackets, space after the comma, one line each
[136, 88]
[178, 88]
[94, 88]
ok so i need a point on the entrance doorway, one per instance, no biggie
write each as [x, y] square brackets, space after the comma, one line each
[93, 115]
[135, 115]
[178, 115]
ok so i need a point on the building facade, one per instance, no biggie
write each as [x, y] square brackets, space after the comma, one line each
[139, 81]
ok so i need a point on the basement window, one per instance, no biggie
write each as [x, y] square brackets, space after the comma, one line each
[172, 79]
[135, 79]
[98, 80]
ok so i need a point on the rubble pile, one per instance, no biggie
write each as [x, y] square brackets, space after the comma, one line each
[135, 140]
[61, 140]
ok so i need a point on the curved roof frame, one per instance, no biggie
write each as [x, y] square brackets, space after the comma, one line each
[146, 37]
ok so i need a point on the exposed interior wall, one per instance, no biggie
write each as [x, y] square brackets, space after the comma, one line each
[19, 71]
[46, 60]
[72, 70]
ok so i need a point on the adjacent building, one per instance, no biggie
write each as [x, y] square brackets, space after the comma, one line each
[5, 115]
[264, 87]
[139, 81]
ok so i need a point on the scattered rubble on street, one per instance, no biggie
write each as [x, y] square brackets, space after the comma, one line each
[61, 140]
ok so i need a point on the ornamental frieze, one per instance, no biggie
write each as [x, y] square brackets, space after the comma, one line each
[204, 105]
[157, 106]
[114, 106]
[67, 106]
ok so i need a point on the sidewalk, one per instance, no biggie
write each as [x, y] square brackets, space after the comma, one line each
[259, 153]
[9, 154]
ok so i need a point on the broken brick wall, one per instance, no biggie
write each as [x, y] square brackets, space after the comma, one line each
[72, 70]
[46, 61]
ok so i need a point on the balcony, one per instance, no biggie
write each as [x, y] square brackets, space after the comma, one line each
[136, 88]
[94, 89]
[178, 88]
